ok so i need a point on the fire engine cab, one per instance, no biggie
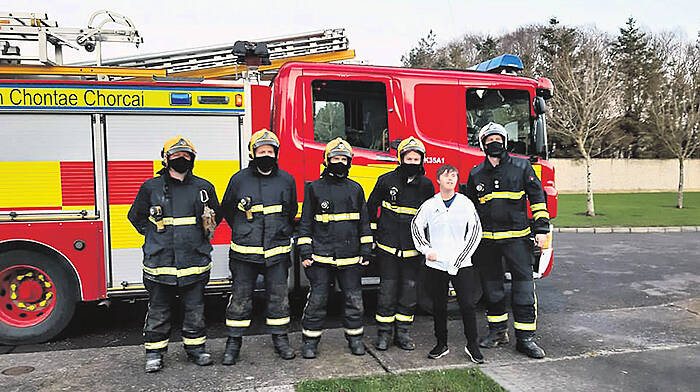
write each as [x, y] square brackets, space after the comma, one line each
[80, 140]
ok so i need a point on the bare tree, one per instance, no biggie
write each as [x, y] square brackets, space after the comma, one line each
[676, 114]
[585, 106]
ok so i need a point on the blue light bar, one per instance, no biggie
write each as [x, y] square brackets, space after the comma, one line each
[180, 99]
[507, 62]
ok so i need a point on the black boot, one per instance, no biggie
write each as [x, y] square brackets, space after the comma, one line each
[154, 362]
[528, 347]
[309, 348]
[281, 344]
[199, 356]
[383, 340]
[403, 340]
[357, 346]
[494, 339]
[233, 348]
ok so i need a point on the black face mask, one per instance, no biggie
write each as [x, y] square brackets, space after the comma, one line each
[410, 169]
[265, 163]
[181, 165]
[338, 169]
[495, 149]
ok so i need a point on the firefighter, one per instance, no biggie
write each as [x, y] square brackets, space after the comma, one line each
[334, 240]
[399, 194]
[171, 211]
[260, 205]
[500, 188]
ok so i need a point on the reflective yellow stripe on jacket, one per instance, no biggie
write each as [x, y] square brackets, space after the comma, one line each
[539, 210]
[170, 221]
[258, 250]
[177, 272]
[501, 195]
[325, 218]
[330, 260]
[273, 209]
[399, 253]
[303, 240]
[500, 235]
[399, 209]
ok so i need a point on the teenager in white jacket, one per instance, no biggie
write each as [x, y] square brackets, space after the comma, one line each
[447, 231]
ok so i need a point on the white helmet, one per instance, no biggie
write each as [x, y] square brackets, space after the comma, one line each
[491, 129]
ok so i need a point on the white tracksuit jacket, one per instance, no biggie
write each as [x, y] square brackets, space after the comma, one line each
[451, 233]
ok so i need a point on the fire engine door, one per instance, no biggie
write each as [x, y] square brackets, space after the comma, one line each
[134, 143]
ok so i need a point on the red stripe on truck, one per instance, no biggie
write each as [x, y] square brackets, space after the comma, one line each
[124, 178]
[77, 183]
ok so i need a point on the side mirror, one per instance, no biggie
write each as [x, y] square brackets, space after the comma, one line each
[540, 136]
[395, 144]
[539, 105]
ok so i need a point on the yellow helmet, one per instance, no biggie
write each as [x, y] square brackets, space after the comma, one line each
[177, 144]
[335, 147]
[261, 138]
[410, 144]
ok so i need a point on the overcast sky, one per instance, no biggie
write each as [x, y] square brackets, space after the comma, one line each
[380, 31]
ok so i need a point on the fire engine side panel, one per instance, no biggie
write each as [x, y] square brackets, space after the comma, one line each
[133, 156]
[60, 237]
[47, 165]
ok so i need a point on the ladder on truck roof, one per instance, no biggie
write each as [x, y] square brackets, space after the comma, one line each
[39, 29]
[219, 61]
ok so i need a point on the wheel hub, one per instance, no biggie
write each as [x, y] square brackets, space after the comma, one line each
[27, 295]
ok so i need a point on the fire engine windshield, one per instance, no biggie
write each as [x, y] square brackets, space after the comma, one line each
[510, 108]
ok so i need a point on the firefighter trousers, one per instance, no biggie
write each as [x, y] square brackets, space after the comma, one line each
[320, 278]
[464, 284]
[161, 301]
[517, 254]
[240, 305]
[396, 302]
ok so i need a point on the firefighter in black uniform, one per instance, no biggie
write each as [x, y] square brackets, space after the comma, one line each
[334, 239]
[399, 194]
[168, 211]
[260, 205]
[500, 187]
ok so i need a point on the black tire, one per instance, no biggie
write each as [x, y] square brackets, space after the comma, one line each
[67, 295]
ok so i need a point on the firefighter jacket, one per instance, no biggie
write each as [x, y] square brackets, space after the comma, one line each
[500, 195]
[179, 253]
[399, 201]
[334, 226]
[260, 210]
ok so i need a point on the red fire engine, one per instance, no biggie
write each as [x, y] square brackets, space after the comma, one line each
[76, 152]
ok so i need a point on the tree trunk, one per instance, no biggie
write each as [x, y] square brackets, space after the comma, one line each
[590, 207]
[680, 183]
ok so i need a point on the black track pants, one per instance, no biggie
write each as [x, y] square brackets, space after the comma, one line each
[437, 282]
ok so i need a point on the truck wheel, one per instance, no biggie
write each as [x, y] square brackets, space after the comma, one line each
[37, 297]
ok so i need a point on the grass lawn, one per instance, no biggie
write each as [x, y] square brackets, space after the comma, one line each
[629, 209]
[453, 380]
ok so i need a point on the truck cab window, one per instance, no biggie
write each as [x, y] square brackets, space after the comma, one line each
[355, 111]
[510, 108]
